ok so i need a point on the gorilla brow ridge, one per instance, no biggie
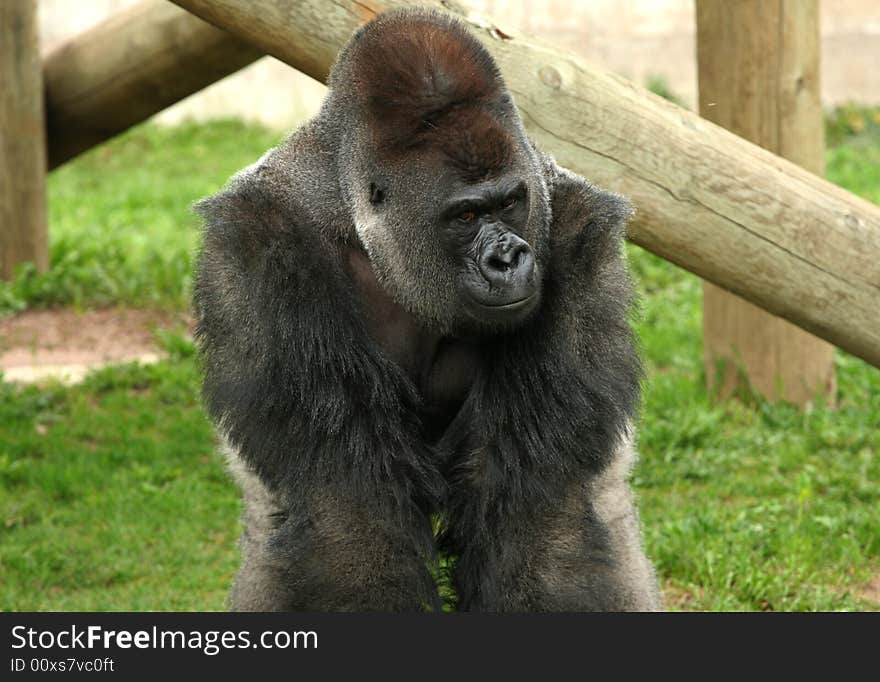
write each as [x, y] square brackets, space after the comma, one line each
[476, 145]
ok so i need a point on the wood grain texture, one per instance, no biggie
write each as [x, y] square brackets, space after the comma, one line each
[758, 66]
[22, 142]
[129, 67]
[707, 200]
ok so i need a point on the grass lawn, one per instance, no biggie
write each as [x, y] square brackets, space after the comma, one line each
[111, 497]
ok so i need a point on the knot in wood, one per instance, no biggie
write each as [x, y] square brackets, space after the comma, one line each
[550, 77]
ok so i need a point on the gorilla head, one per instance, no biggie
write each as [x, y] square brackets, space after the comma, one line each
[447, 194]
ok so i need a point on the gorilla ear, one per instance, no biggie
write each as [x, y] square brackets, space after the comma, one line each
[589, 224]
[377, 194]
[410, 70]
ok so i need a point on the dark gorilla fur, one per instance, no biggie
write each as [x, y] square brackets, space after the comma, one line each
[327, 407]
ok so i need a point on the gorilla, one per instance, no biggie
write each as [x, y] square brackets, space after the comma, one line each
[414, 331]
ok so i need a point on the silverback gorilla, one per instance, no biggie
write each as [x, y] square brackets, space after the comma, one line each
[414, 330]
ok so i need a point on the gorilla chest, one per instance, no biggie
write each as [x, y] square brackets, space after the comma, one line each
[443, 369]
[444, 381]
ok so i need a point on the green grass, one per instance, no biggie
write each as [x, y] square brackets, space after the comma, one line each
[753, 506]
[121, 227]
[111, 496]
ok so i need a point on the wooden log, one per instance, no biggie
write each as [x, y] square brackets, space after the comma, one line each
[22, 142]
[707, 200]
[758, 65]
[129, 67]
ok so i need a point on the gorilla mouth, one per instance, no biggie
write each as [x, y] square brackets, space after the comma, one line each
[512, 306]
[507, 312]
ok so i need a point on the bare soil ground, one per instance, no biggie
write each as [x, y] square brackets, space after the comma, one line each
[871, 591]
[64, 343]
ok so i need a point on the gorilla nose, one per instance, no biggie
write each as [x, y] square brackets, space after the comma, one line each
[509, 262]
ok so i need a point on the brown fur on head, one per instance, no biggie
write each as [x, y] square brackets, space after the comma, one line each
[426, 83]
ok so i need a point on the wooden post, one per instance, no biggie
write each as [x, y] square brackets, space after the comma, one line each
[129, 67]
[22, 140]
[759, 77]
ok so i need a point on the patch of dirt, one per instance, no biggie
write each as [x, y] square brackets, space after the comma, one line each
[677, 598]
[66, 343]
[871, 592]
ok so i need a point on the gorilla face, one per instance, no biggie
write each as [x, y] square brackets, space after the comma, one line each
[461, 254]
[498, 278]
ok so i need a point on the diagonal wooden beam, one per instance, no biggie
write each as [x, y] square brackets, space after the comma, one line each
[707, 200]
[129, 67]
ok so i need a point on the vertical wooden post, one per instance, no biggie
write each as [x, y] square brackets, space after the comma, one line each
[23, 235]
[758, 64]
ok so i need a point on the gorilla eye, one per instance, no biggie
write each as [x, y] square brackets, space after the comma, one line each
[510, 203]
[467, 216]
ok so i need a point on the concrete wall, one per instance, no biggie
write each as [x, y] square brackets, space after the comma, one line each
[642, 38]
[636, 38]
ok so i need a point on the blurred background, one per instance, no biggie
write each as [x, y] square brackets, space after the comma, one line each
[112, 496]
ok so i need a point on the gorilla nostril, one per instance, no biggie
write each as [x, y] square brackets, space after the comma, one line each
[498, 263]
[519, 254]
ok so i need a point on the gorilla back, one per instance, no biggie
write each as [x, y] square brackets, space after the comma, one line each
[409, 316]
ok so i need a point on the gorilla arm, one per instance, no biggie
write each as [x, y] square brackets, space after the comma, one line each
[320, 428]
[541, 516]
